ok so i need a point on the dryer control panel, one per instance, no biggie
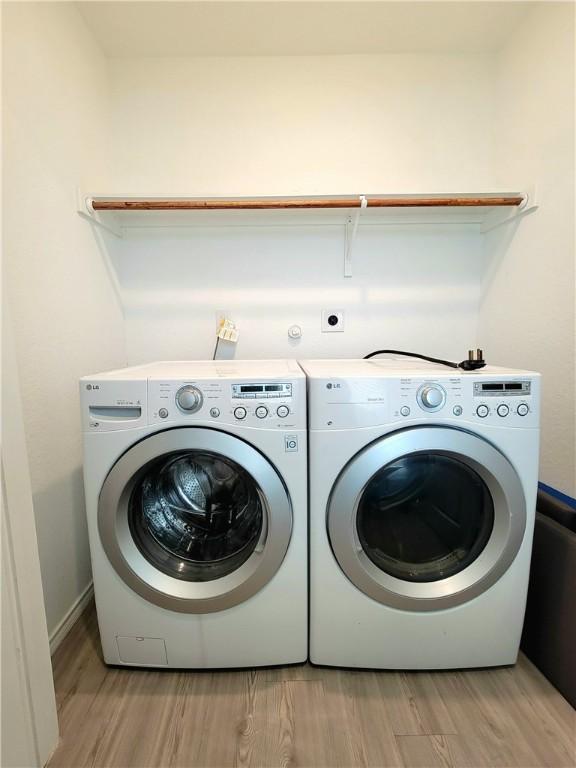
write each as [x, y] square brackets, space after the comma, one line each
[507, 400]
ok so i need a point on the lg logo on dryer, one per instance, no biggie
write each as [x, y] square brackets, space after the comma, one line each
[92, 386]
[335, 385]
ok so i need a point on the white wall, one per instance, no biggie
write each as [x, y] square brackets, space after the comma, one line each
[29, 732]
[66, 318]
[411, 289]
[301, 125]
[527, 312]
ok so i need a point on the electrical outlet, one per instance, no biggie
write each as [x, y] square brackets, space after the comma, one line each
[332, 320]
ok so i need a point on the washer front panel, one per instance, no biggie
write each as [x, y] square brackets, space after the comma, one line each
[495, 472]
[161, 588]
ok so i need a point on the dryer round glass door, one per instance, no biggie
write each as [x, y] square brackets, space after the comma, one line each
[426, 518]
[194, 520]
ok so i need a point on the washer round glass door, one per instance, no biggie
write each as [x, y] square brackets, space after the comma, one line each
[194, 520]
[426, 518]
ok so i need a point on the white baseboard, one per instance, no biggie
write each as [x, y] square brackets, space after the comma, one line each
[60, 632]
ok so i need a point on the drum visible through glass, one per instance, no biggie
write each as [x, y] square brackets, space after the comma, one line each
[196, 516]
[424, 517]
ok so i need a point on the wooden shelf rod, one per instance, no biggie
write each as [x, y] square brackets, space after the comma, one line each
[103, 204]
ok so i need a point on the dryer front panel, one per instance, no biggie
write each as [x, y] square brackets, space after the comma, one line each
[194, 520]
[426, 518]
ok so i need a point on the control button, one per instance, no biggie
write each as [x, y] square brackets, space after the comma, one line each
[214, 412]
[240, 412]
[405, 411]
[482, 411]
[522, 409]
[261, 411]
[163, 413]
[282, 411]
[502, 410]
[431, 397]
[290, 443]
[189, 399]
[457, 410]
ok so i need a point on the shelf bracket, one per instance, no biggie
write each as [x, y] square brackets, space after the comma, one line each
[530, 203]
[86, 211]
[352, 222]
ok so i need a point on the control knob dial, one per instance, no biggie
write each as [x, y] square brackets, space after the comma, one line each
[432, 396]
[189, 399]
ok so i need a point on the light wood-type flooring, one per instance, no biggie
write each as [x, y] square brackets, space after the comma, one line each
[304, 716]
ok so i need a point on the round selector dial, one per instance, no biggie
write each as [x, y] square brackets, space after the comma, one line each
[431, 397]
[189, 399]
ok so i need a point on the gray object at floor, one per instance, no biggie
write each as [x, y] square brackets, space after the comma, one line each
[549, 636]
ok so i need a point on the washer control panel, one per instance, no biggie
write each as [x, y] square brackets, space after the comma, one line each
[266, 404]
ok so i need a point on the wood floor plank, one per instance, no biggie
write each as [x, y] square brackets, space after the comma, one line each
[339, 704]
[497, 703]
[538, 690]
[424, 751]
[269, 741]
[529, 720]
[188, 724]
[369, 714]
[430, 712]
[248, 730]
[304, 700]
[483, 742]
[135, 731]
[303, 716]
[77, 663]
[400, 710]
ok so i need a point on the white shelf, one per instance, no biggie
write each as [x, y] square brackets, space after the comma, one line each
[482, 210]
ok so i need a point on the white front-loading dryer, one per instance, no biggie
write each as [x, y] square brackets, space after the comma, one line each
[422, 494]
[196, 496]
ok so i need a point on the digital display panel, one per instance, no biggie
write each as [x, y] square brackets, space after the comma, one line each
[501, 388]
[261, 391]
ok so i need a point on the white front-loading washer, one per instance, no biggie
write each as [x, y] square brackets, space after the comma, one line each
[422, 495]
[196, 496]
